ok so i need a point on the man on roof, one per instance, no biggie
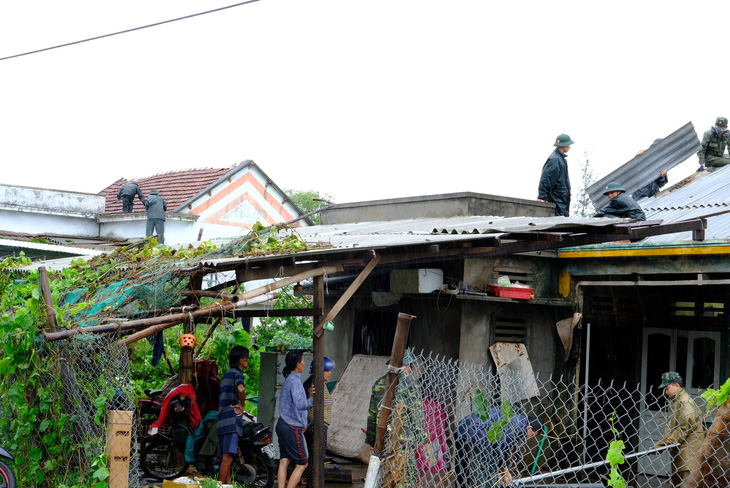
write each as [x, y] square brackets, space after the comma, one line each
[554, 181]
[156, 207]
[652, 188]
[126, 194]
[714, 142]
[620, 205]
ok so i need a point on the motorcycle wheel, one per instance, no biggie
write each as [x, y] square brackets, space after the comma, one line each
[7, 477]
[162, 460]
[253, 468]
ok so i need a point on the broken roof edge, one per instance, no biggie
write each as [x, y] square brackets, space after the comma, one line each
[245, 164]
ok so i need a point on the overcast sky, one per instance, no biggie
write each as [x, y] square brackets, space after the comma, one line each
[359, 99]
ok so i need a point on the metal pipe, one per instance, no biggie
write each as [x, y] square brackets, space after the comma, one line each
[585, 396]
[553, 474]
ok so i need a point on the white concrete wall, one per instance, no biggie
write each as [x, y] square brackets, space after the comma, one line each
[17, 220]
[179, 229]
[39, 200]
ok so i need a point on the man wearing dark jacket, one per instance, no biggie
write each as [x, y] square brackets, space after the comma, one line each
[620, 204]
[127, 193]
[554, 182]
[156, 207]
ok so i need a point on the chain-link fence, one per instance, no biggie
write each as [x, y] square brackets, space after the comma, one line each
[98, 409]
[459, 425]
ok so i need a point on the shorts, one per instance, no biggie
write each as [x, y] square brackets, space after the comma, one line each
[228, 444]
[291, 442]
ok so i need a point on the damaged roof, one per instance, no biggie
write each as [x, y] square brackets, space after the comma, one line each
[706, 196]
[176, 187]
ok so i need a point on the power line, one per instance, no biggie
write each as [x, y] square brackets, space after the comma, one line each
[128, 30]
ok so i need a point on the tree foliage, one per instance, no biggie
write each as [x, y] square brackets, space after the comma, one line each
[582, 205]
[305, 200]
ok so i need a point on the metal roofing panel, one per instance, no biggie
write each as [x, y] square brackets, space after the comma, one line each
[78, 251]
[641, 170]
[706, 190]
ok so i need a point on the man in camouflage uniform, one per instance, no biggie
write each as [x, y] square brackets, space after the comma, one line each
[714, 141]
[684, 428]
[407, 434]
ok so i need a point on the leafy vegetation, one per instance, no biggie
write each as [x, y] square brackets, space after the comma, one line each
[716, 397]
[615, 456]
[41, 421]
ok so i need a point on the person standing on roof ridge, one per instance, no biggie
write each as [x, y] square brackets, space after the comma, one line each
[126, 194]
[652, 188]
[554, 183]
[714, 142]
[620, 205]
[156, 208]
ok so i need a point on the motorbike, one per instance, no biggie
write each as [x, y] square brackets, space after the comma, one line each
[163, 455]
[7, 477]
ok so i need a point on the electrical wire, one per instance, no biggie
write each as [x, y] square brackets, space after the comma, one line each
[128, 30]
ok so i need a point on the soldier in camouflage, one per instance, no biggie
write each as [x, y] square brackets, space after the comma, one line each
[714, 141]
[684, 428]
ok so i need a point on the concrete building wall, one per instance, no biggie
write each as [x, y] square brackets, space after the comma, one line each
[39, 200]
[179, 229]
[436, 206]
[17, 220]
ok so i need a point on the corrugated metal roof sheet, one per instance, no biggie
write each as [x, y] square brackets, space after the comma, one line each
[641, 170]
[708, 193]
[76, 251]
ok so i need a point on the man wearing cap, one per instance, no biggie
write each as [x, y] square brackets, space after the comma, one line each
[156, 208]
[126, 194]
[684, 428]
[714, 141]
[620, 205]
[554, 183]
[652, 188]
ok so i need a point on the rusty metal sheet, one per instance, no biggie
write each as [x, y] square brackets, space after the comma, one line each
[513, 362]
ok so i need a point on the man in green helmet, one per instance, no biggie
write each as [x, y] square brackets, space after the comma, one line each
[620, 204]
[554, 183]
[684, 428]
[714, 142]
[156, 207]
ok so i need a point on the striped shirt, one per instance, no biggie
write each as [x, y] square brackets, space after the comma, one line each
[327, 402]
[293, 402]
[228, 423]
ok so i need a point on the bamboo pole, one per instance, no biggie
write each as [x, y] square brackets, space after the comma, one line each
[47, 297]
[180, 317]
[391, 383]
[217, 307]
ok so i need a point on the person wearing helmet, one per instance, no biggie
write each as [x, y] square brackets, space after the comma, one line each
[554, 183]
[684, 428]
[714, 142]
[652, 188]
[620, 205]
[232, 399]
[329, 365]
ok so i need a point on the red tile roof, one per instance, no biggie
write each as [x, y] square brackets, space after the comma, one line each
[176, 187]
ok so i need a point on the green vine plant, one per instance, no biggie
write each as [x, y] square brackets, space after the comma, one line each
[615, 456]
[715, 398]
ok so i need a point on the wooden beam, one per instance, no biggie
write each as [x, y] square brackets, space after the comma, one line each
[318, 370]
[348, 293]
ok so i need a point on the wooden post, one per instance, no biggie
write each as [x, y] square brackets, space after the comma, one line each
[318, 361]
[391, 383]
[47, 297]
[118, 441]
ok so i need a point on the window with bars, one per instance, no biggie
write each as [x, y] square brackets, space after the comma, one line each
[509, 329]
